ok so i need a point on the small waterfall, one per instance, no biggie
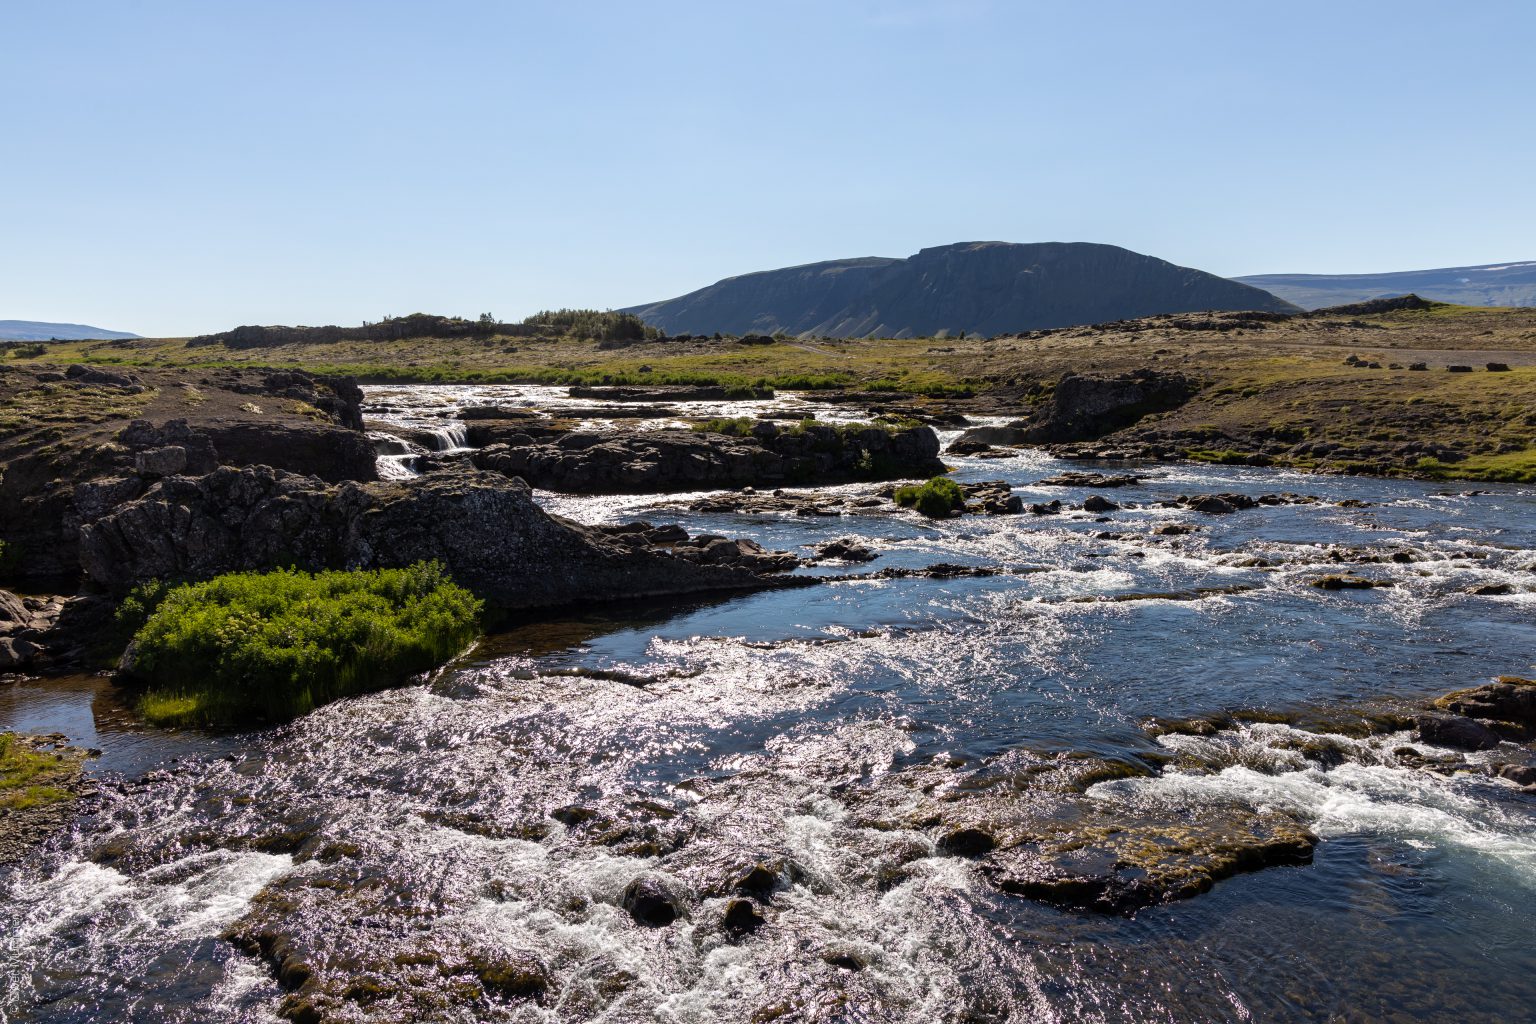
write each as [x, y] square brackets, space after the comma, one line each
[450, 437]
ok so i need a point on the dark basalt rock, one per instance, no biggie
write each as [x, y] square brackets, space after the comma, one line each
[1508, 703]
[966, 842]
[1086, 407]
[1122, 863]
[636, 462]
[992, 498]
[485, 529]
[651, 902]
[1348, 581]
[742, 916]
[1457, 732]
[846, 549]
[1098, 503]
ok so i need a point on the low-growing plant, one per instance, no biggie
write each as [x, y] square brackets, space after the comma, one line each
[254, 647]
[28, 775]
[935, 499]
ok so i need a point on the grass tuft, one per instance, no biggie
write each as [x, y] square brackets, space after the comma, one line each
[935, 499]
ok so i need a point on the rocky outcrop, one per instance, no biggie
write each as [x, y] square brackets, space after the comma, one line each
[295, 421]
[483, 527]
[623, 462]
[1085, 407]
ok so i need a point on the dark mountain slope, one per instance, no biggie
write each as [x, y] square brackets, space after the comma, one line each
[971, 287]
[1493, 284]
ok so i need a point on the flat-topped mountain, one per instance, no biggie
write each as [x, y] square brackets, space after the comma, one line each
[37, 330]
[970, 287]
[1492, 284]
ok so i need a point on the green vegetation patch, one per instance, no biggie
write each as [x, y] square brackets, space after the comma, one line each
[935, 499]
[254, 647]
[33, 777]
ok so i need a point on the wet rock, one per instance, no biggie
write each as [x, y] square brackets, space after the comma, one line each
[1510, 702]
[991, 497]
[1458, 732]
[651, 902]
[1050, 508]
[742, 916]
[1519, 774]
[846, 549]
[844, 961]
[511, 975]
[966, 842]
[1348, 581]
[1123, 860]
[1491, 590]
[1099, 503]
[1073, 478]
[1174, 529]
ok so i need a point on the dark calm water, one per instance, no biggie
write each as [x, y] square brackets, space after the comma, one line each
[761, 716]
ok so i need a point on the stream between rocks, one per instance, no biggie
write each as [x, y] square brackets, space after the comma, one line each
[765, 807]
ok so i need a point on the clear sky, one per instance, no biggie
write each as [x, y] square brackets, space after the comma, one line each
[177, 167]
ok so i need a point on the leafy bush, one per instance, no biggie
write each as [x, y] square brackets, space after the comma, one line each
[935, 499]
[594, 324]
[267, 647]
[27, 351]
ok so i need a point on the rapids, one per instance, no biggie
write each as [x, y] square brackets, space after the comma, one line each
[496, 812]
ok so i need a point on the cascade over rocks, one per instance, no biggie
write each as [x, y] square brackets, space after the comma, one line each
[485, 529]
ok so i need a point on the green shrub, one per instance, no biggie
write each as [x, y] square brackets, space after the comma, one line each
[935, 499]
[266, 647]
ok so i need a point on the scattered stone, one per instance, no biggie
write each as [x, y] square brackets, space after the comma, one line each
[846, 549]
[651, 902]
[991, 497]
[1099, 503]
[1050, 508]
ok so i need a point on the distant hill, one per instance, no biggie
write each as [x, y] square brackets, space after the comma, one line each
[972, 287]
[35, 330]
[1494, 284]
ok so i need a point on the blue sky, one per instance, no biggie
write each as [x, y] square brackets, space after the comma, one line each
[178, 167]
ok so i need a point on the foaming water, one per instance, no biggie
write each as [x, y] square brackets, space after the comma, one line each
[402, 841]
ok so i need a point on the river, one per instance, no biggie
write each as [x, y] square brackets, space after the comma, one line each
[496, 812]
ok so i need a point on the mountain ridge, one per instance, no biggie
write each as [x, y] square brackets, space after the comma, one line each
[42, 330]
[1489, 284]
[964, 287]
